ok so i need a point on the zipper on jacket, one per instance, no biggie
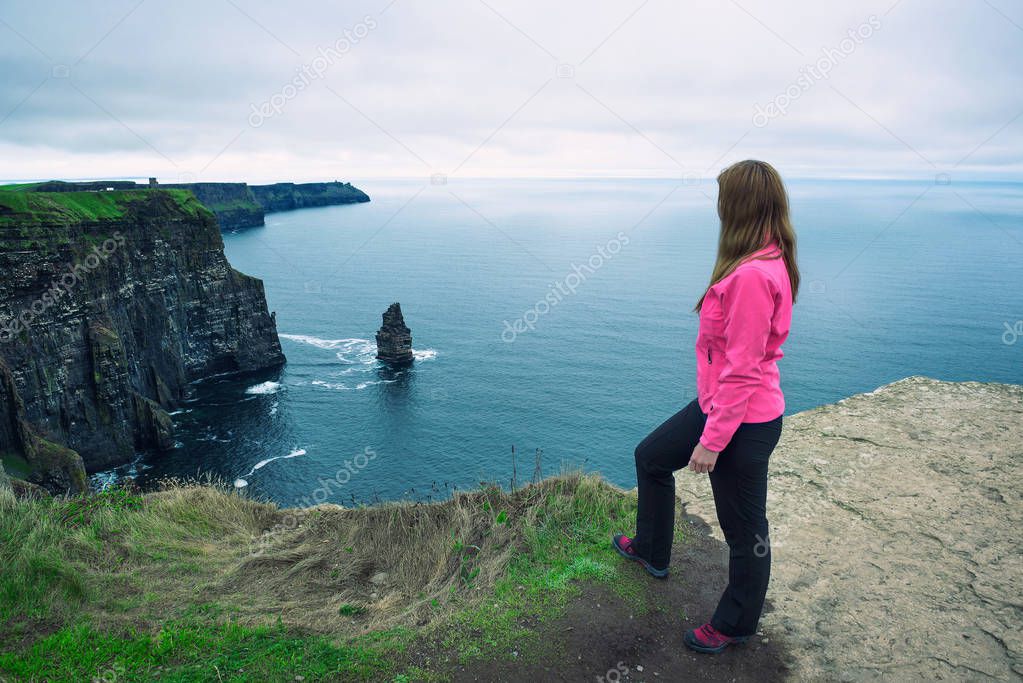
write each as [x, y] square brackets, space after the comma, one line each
[708, 356]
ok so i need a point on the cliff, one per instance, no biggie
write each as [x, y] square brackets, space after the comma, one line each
[232, 203]
[238, 205]
[110, 305]
[235, 205]
[288, 196]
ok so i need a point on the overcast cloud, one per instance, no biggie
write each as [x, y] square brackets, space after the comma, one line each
[509, 88]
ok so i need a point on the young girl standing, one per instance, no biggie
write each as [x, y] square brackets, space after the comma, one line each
[730, 430]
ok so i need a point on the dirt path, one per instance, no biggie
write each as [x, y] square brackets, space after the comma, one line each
[601, 638]
[897, 519]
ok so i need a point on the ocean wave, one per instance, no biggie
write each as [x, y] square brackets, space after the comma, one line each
[363, 385]
[330, 385]
[264, 388]
[338, 386]
[354, 351]
[324, 343]
[241, 482]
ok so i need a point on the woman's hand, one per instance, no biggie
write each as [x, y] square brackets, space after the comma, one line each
[702, 460]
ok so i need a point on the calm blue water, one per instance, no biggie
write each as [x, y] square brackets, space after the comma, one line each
[900, 278]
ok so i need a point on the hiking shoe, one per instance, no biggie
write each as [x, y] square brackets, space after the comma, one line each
[710, 640]
[623, 544]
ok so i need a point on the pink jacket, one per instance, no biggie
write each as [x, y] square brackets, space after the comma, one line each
[744, 320]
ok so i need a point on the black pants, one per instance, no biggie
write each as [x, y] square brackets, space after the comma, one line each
[739, 481]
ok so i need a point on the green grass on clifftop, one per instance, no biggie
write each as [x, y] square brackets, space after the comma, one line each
[197, 584]
[24, 208]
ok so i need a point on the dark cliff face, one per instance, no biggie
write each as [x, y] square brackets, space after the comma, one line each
[237, 205]
[111, 303]
[394, 338]
[288, 196]
[232, 203]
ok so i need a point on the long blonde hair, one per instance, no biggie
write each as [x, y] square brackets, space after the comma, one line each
[754, 209]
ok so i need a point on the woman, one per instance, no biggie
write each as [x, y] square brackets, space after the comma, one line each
[730, 430]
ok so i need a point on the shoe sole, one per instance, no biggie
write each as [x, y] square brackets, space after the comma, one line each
[693, 644]
[650, 569]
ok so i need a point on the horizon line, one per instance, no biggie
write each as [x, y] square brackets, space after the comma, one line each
[686, 179]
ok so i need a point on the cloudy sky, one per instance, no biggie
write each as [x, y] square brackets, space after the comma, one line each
[260, 91]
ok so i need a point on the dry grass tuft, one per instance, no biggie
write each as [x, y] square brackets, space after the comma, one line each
[167, 578]
[135, 559]
[368, 568]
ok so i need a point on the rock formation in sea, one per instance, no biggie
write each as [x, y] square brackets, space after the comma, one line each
[111, 303]
[394, 339]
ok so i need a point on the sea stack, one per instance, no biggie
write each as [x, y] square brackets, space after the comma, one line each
[394, 339]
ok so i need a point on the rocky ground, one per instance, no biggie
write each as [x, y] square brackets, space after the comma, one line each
[896, 522]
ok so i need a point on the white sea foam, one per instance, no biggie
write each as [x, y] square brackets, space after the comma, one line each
[364, 355]
[363, 385]
[241, 482]
[353, 350]
[323, 343]
[330, 385]
[360, 354]
[338, 386]
[264, 388]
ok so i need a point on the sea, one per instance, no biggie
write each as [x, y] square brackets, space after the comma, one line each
[553, 326]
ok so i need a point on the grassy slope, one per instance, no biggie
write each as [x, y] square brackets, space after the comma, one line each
[168, 585]
[19, 207]
[98, 205]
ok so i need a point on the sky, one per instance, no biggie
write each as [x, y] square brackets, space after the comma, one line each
[265, 91]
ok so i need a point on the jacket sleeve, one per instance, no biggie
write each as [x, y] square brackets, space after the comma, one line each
[747, 301]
